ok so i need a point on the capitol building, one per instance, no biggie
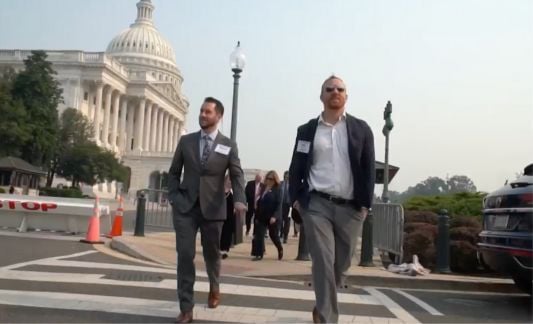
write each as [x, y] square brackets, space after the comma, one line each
[132, 95]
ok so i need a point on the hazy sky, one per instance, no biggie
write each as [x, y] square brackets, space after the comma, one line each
[459, 73]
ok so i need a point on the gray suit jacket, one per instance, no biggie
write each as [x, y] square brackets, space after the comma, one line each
[206, 184]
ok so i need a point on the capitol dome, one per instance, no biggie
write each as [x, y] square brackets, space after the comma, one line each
[142, 40]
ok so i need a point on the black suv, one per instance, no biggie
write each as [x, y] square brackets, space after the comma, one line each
[506, 240]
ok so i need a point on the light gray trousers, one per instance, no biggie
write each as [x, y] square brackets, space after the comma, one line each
[186, 227]
[331, 232]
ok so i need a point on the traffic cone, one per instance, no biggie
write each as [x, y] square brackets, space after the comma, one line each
[93, 232]
[116, 230]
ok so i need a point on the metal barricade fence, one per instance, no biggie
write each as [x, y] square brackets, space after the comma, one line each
[387, 229]
[158, 210]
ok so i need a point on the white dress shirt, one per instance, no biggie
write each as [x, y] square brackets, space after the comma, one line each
[331, 172]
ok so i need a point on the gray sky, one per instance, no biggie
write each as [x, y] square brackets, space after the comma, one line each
[459, 73]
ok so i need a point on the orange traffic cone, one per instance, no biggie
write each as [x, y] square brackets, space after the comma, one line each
[93, 232]
[116, 230]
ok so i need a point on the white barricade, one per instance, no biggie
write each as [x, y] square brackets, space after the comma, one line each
[50, 213]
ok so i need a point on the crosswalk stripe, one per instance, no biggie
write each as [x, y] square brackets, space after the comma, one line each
[428, 308]
[200, 286]
[396, 309]
[23, 264]
[148, 307]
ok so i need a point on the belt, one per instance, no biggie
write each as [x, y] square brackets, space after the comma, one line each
[333, 199]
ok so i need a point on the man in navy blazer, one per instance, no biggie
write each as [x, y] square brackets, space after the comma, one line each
[331, 184]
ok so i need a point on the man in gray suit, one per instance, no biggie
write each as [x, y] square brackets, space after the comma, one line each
[198, 201]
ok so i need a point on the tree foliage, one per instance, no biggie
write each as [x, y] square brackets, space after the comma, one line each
[40, 94]
[13, 128]
[434, 186]
[463, 203]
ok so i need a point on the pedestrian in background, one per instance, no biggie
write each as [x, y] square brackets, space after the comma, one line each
[331, 183]
[228, 229]
[253, 192]
[199, 201]
[285, 224]
[267, 217]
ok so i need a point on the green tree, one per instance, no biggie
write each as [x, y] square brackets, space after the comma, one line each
[40, 93]
[460, 183]
[74, 129]
[13, 128]
[88, 163]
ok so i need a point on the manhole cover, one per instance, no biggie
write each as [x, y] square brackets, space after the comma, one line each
[136, 276]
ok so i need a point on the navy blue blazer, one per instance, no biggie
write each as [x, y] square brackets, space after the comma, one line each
[267, 206]
[362, 161]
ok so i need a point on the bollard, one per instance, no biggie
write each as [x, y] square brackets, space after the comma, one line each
[367, 244]
[139, 218]
[303, 252]
[443, 243]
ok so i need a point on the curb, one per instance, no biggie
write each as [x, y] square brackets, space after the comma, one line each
[412, 283]
[133, 251]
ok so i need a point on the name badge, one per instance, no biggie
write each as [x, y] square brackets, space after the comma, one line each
[222, 149]
[303, 146]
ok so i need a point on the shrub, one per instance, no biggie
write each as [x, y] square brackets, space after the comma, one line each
[465, 221]
[420, 216]
[463, 203]
[463, 256]
[423, 227]
[422, 244]
[468, 234]
[65, 192]
[2, 190]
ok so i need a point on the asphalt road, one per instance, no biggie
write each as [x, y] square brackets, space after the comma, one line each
[50, 280]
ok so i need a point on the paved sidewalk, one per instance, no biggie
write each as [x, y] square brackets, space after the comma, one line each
[160, 248]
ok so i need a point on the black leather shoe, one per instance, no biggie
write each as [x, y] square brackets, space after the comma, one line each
[280, 254]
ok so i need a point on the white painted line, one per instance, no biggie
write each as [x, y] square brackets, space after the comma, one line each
[200, 286]
[23, 264]
[112, 266]
[149, 307]
[396, 309]
[428, 308]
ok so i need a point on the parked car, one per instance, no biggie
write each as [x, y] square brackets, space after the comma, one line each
[506, 239]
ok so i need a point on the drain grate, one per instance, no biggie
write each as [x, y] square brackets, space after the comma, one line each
[135, 276]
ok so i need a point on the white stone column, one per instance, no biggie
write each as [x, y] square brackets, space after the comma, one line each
[159, 140]
[129, 131]
[153, 133]
[148, 123]
[170, 133]
[90, 108]
[165, 133]
[114, 125]
[97, 108]
[122, 130]
[107, 113]
[139, 126]
[177, 133]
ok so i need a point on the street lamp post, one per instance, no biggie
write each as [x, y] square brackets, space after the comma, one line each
[237, 62]
[386, 130]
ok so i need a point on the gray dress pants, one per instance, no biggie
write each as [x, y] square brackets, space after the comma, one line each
[331, 233]
[186, 227]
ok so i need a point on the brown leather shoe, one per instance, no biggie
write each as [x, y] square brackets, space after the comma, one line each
[184, 317]
[214, 299]
[316, 316]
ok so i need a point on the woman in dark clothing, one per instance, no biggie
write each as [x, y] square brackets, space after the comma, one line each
[267, 216]
[228, 229]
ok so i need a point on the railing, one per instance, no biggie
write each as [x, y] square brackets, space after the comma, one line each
[387, 230]
[158, 210]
